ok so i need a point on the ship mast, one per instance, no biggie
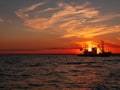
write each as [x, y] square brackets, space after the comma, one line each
[102, 45]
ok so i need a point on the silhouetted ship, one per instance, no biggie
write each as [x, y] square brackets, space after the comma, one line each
[93, 52]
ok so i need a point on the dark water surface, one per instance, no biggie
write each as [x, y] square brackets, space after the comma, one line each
[59, 72]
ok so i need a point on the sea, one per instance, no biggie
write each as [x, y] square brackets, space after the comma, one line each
[59, 72]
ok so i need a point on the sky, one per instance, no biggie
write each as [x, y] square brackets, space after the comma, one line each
[58, 26]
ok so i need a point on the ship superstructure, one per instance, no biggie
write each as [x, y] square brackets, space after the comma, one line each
[93, 51]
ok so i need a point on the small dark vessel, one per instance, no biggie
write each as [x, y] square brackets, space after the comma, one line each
[93, 52]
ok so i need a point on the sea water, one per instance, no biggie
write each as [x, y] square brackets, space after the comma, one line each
[59, 72]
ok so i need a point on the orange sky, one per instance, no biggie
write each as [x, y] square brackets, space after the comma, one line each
[65, 48]
[53, 27]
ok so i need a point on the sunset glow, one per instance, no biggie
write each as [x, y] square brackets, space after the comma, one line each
[91, 44]
[89, 49]
[59, 26]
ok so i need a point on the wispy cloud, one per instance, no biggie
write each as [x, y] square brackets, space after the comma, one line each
[1, 20]
[109, 44]
[23, 13]
[118, 38]
[92, 31]
[65, 13]
[72, 20]
[105, 17]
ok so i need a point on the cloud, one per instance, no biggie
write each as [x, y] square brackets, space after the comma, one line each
[109, 44]
[118, 38]
[67, 19]
[65, 13]
[23, 13]
[1, 20]
[92, 31]
[105, 17]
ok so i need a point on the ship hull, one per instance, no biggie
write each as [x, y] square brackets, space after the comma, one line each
[96, 55]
